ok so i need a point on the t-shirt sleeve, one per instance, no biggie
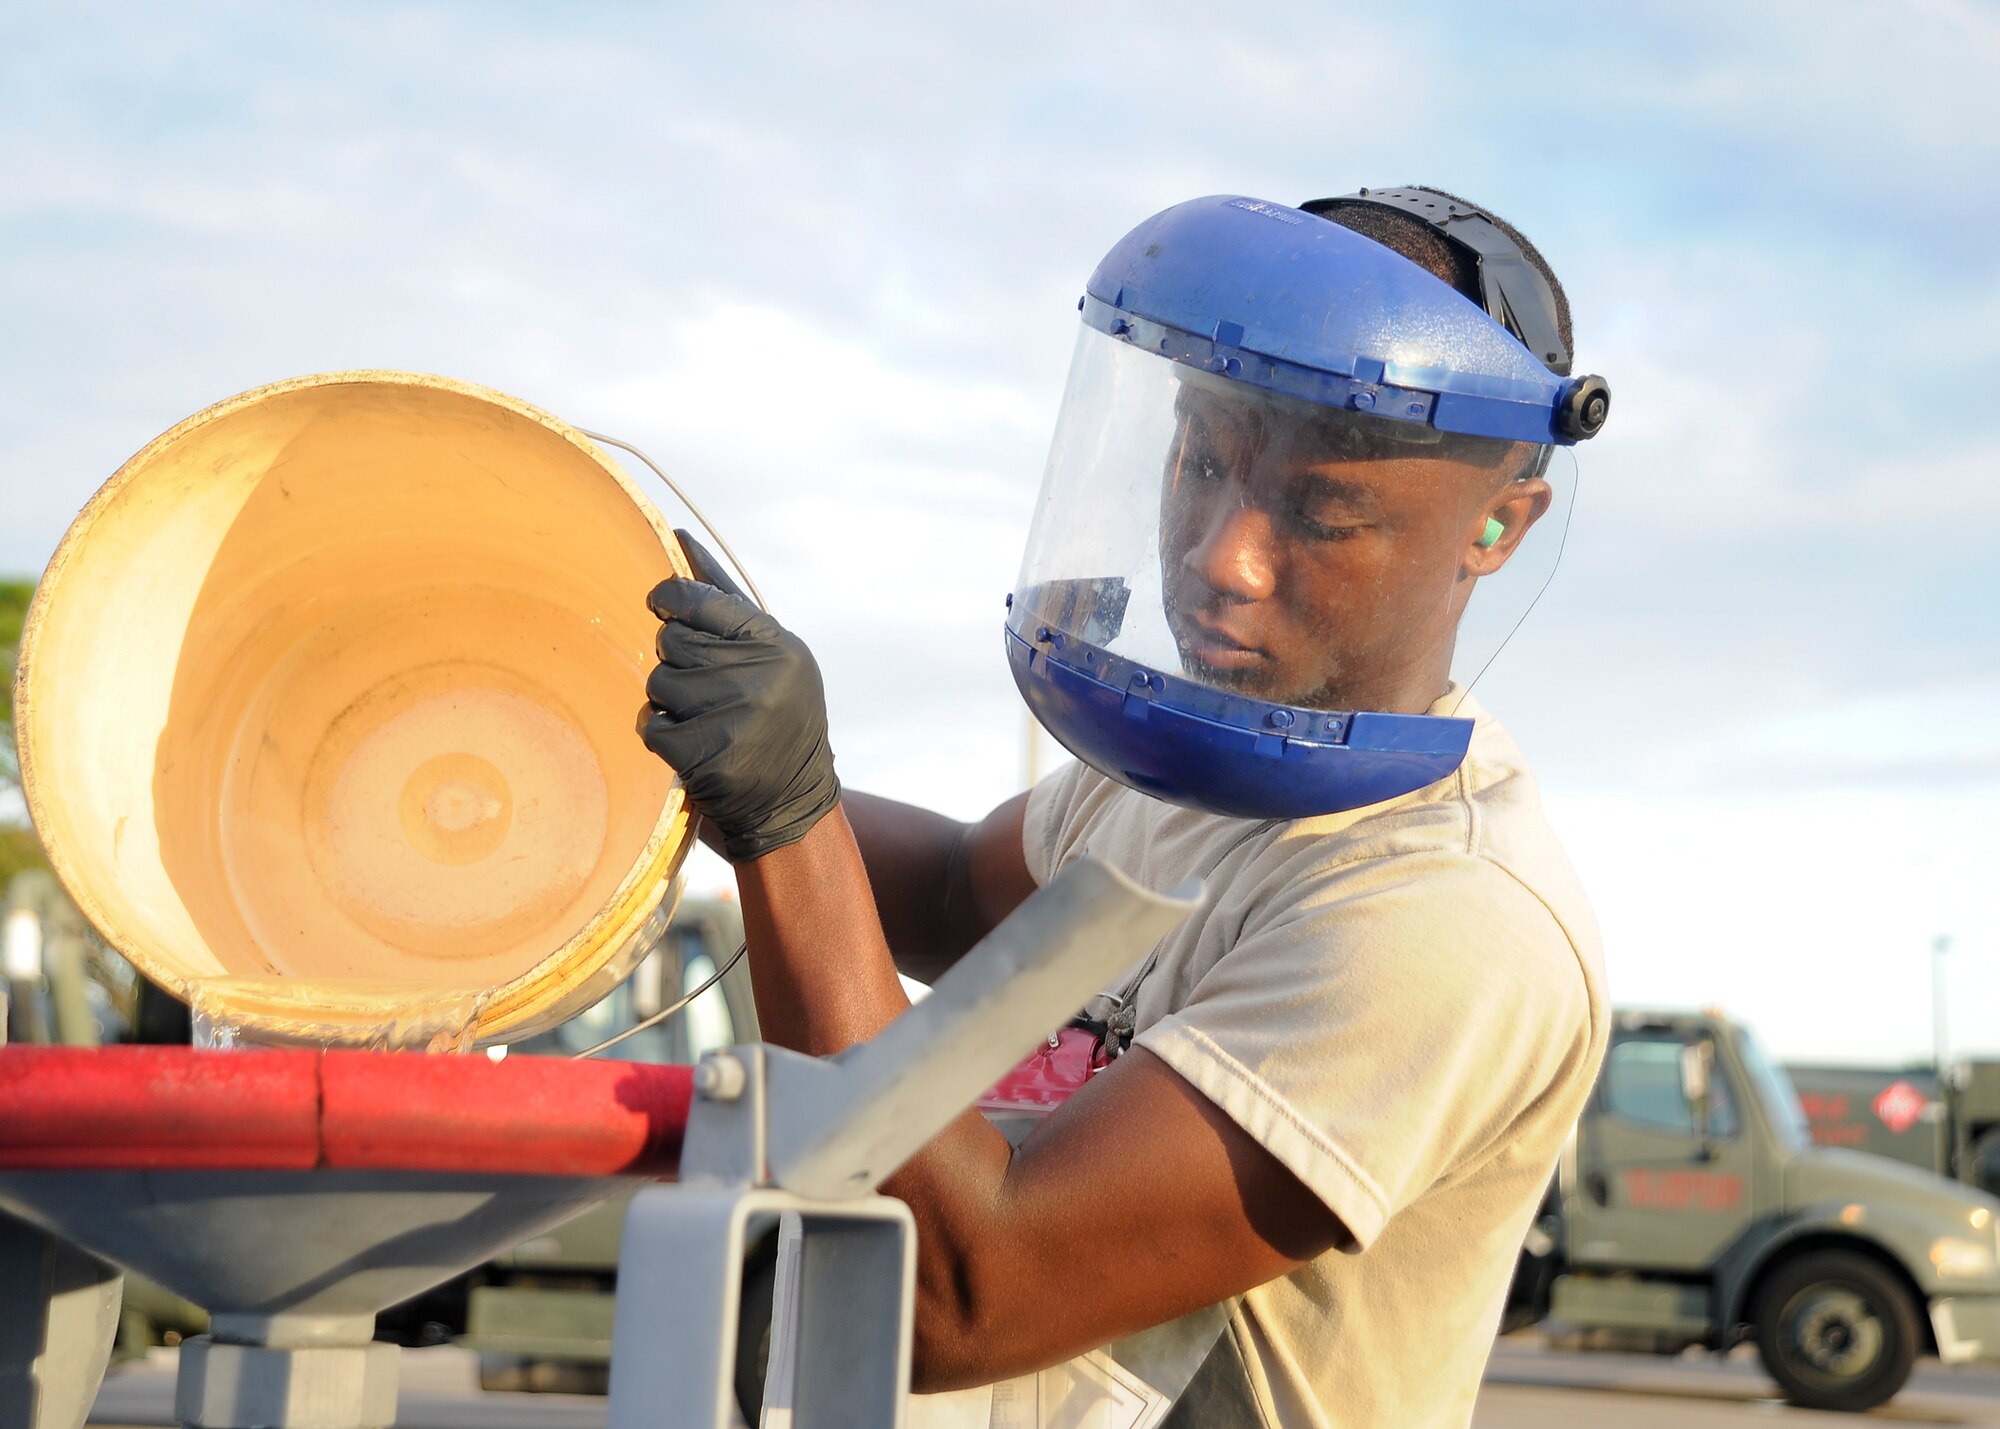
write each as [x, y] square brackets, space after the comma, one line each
[1047, 823]
[1381, 1029]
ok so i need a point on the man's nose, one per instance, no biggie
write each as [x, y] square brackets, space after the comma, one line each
[1237, 553]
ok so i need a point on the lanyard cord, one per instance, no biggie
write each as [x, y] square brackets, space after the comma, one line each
[693, 510]
[750, 583]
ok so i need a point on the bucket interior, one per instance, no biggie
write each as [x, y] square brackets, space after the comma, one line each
[336, 684]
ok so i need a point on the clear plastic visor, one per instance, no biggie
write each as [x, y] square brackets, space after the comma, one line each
[1270, 548]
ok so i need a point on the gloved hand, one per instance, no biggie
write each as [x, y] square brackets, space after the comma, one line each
[736, 707]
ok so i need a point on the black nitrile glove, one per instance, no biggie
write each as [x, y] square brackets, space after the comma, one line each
[736, 707]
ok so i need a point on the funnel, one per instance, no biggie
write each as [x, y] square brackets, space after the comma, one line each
[325, 714]
[320, 1245]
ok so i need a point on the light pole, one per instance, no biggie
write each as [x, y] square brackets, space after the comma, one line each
[1940, 945]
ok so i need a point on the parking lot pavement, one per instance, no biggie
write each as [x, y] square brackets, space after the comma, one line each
[436, 1389]
[1527, 1384]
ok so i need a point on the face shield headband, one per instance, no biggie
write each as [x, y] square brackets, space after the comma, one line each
[1512, 290]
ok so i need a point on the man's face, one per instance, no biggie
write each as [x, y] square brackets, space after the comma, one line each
[1312, 559]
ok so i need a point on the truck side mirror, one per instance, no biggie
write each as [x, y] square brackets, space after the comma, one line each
[21, 945]
[1695, 1057]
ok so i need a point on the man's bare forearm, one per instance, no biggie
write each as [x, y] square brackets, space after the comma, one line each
[819, 965]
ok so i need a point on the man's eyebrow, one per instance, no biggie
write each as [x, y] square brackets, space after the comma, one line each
[1320, 486]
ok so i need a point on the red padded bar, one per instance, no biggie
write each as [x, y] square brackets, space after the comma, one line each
[149, 1108]
[154, 1108]
[534, 1115]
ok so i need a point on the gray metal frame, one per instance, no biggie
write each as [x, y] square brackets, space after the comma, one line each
[316, 1253]
[52, 1357]
[773, 1131]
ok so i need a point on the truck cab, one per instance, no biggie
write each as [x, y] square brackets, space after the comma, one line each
[1692, 1206]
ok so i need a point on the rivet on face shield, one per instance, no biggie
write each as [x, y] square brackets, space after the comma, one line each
[1281, 719]
[1364, 401]
[1042, 634]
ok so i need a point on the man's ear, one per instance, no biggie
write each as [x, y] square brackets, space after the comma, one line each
[1516, 506]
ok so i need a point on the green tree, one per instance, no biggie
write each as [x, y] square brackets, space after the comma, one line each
[19, 848]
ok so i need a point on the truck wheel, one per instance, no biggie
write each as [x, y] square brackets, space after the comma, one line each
[1836, 1330]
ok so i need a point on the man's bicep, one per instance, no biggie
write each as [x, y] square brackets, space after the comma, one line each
[992, 878]
[1138, 1202]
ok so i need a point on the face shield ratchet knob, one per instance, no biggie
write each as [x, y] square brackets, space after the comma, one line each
[1584, 408]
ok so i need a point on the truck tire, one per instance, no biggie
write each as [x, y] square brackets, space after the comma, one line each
[1836, 1330]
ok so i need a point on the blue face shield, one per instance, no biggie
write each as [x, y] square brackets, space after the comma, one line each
[1265, 514]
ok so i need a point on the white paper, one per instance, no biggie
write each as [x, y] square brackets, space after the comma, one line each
[1093, 1391]
[781, 1375]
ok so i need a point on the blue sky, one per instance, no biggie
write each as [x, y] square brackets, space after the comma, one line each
[824, 263]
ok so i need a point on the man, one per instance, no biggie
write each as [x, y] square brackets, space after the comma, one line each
[1349, 1075]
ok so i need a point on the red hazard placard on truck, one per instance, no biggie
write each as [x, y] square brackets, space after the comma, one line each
[1900, 1105]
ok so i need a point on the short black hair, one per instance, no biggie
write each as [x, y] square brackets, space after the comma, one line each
[1424, 246]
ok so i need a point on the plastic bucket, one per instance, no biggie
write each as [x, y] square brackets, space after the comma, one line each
[326, 715]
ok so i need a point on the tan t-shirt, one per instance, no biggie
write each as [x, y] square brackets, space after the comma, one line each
[1405, 1005]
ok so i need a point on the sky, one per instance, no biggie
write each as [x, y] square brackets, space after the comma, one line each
[822, 262]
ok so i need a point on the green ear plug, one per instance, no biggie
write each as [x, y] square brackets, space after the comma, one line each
[1493, 532]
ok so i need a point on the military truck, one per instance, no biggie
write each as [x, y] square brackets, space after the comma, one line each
[1692, 1208]
[1946, 1124]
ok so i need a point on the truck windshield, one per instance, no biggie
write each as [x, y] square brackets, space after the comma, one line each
[1774, 1089]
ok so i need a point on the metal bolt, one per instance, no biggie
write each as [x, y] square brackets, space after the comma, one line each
[1282, 719]
[1364, 400]
[720, 1077]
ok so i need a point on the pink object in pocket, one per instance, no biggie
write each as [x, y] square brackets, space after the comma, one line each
[1048, 1076]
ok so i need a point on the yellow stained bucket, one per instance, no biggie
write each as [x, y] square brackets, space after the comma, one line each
[326, 715]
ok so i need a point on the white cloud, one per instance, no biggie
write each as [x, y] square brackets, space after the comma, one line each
[1812, 917]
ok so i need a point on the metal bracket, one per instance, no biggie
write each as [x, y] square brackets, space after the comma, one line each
[772, 1131]
[837, 1127]
[673, 1347]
